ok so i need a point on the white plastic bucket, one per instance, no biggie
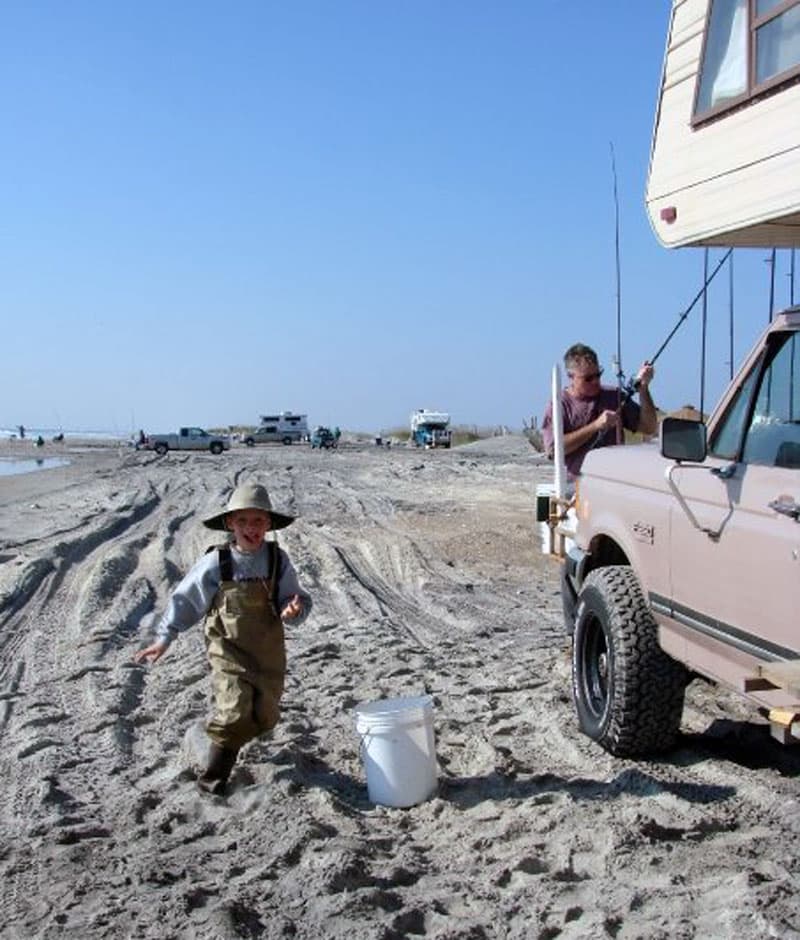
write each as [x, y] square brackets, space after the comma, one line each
[398, 749]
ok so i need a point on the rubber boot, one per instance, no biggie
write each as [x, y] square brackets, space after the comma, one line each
[220, 764]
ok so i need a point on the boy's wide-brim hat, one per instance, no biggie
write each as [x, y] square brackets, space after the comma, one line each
[249, 496]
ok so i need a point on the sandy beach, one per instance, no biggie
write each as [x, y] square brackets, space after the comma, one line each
[427, 579]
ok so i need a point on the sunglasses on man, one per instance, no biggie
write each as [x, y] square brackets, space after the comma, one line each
[587, 376]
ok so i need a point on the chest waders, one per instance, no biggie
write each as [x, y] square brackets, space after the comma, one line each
[247, 655]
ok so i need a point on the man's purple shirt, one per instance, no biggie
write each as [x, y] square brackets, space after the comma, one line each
[577, 413]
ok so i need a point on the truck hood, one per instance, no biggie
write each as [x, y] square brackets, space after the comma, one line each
[639, 464]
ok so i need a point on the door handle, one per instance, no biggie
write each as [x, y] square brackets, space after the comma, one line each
[786, 506]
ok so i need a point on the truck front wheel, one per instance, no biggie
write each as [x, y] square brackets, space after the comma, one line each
[161, 448]
[628, 693]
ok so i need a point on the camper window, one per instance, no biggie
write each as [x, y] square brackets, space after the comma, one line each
[767, 29]
[777, 43]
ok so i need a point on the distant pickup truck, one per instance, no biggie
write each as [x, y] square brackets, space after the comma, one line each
[285, 428]
[188, 439]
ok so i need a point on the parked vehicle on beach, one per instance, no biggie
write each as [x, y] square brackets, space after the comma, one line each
[188, 439]
[283, 428]
[430, 429]
[685, 559]
[323, 438]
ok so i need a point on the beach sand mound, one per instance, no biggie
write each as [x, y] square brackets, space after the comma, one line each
[427, 579]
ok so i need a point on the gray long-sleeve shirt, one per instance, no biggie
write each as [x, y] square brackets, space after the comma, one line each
[192, 598]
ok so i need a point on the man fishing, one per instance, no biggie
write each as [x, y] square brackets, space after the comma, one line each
[594, 415]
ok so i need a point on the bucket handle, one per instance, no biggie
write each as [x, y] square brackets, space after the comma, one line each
[363, 744]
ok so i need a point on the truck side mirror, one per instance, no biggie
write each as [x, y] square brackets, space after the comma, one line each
[682, 439]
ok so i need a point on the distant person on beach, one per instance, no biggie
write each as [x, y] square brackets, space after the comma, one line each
[21, 431]
[244, 589]
[594, 415]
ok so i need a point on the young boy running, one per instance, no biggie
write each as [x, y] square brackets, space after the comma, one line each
[245, 590]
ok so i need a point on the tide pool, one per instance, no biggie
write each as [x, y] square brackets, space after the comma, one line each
[30, 465]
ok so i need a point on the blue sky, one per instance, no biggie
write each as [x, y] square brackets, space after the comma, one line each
[350, 209]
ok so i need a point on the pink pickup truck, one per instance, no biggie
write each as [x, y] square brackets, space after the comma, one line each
[687, 561]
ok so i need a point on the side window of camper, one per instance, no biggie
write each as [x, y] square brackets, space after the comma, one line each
[768, 31]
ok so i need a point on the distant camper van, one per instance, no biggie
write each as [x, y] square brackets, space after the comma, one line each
[283, 428]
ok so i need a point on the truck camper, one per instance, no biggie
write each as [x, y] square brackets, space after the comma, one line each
[286, 427]
[430, 429]
[725, 158]
[684, 560]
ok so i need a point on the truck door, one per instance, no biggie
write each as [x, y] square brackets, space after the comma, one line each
[735, 539]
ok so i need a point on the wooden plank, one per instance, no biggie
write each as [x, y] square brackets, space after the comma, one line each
[782, 734]
[784, 725]
[783, 716]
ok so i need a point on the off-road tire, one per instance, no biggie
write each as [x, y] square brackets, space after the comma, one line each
[216, 448]
[249, 442]
[628, 693]
[287, 441]
[161, 449]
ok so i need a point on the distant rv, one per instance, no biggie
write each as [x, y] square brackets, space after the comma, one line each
[284, 428]
[430, 429]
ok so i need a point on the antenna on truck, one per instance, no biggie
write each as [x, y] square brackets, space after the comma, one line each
[617, 363]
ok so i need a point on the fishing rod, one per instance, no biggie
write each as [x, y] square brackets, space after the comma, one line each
[631, 386]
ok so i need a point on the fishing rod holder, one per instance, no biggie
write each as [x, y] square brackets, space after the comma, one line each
[556, 518]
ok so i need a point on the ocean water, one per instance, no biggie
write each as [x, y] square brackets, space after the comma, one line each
[49, 433]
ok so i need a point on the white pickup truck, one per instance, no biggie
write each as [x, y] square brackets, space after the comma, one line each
[188, 439]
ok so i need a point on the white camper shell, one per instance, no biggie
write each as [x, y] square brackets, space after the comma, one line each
[725, 157]
[285, 427]
[430, 428]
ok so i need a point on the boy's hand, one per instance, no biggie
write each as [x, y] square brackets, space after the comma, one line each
[292, 608]
[152, 653]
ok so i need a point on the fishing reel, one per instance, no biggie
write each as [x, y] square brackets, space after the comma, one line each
[627, 386]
